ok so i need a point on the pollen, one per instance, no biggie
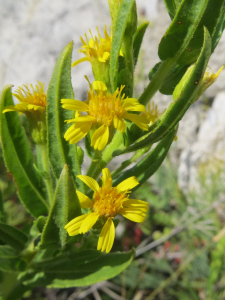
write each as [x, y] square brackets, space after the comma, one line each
[104, 108]
[108, 201]
[32, 96]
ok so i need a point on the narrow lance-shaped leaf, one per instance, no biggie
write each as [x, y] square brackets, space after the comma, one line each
[177, 108]
[65, 207]
[10, 261]
[13, 236]
[148, 164]
[138, 37]
[76, 270]
[118, 33]
[19, 159]
[60, 87]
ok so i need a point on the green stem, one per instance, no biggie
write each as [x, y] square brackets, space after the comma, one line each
[128, 162]
[157, 81]
[47, 170]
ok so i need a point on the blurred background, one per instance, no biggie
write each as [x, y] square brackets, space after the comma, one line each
[187, 194]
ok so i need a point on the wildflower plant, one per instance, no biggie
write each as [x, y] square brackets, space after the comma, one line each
[69, 205]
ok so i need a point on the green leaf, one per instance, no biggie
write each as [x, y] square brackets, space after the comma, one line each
[182, 28]
[118, 34]
[79, 269]
[210, 19]
[177, 108]
[214, 20]
[65, 207]
[60, 87]
[19, 159]
[10, 261]
[138, 37]
[13, 236]
[147, 166]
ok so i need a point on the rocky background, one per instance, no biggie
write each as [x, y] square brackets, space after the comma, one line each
[33, 33]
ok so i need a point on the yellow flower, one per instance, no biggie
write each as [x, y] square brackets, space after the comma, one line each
[152, 114]
[107, 202]
[30, 101]
[33, 105]
[96, 48]
[104, 111]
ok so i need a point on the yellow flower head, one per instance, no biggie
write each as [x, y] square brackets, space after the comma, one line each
[104, 110]
[96, 48]
[30, 100]
[33, 105]
[107, 202]
[152, 114]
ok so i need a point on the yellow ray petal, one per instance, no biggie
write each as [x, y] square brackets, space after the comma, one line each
[99, 86]
[85, 119]
[85, 201]
[140, 121]
[119, 124]
[77, 131]
[75, 105]
[100, 137]
[111, 236]
[105, 57]
[106, 176]
[77, 220]
[36, 107]
[89, 182]
[89, 222]
[139, 218]
[136, 204]
[80, 61]
[132, 104]
[127, 184]
[107, 236]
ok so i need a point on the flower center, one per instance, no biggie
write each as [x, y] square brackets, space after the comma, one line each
[105, 107]
[107, 201]
[36, 97]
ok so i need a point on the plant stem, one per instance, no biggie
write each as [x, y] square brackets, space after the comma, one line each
[47, 170]
[157, 81]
